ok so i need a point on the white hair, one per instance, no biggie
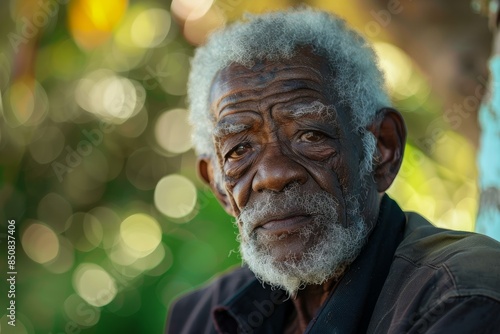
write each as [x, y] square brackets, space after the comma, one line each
[354, 79]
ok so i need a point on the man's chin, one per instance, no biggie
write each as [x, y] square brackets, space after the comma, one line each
[283, 264]
[291, 273]
[273, 272]
[297, 260]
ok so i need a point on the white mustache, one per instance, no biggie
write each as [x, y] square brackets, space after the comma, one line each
[289, 201]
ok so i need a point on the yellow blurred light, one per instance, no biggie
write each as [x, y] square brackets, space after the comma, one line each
[94, 284]
[123, 38]
[118, 97]
[197, 27]
[425, 205]
[80, 312]
[456, 219]
[141, 233]
[434, 187]
[150, 27]
[424, 186]
[112, 97]
[85, 86]
[173, 132]
[40, 243]
[91, 22]
[190, 8]
[175, 196]
[469, 206]
[455, 152]
[398, 69]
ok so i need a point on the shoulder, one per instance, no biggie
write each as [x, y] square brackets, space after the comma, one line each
[440, 277]
[192, 312]
[470, 261]
[218, 290]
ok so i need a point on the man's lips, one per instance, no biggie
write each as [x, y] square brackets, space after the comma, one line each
[283, 224]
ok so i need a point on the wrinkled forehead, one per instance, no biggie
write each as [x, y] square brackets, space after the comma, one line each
[303, 68]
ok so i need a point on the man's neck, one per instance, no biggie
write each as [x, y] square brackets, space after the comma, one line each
[307, 303]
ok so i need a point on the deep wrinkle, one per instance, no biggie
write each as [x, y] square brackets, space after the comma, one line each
[259, 86]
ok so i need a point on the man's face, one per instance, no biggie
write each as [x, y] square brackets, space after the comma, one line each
[290, 164]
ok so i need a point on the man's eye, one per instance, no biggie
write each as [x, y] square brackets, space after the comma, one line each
[312, 136]
[238, 151]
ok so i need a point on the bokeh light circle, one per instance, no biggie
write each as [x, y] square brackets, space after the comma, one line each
[140, 233]
[194, 8]
[94, 284]
[40, 243]
[173, 132]
[150, 27]
[112, 97]
[175, 196]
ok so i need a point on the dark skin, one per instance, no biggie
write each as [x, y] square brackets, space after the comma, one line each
[273, 148]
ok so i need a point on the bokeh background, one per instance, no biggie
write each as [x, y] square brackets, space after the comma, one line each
[97, 169]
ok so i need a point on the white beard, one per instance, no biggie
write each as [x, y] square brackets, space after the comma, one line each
[328, 257]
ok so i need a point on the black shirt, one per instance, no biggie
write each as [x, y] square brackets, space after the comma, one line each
[410, 278]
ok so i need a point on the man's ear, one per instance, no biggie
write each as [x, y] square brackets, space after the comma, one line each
[206, 173]
[389, 130]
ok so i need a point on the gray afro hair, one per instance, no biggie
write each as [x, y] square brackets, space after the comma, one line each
[355, 79]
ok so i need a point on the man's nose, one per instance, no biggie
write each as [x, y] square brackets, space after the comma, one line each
[276, 170]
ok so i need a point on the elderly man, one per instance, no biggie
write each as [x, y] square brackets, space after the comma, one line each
[297, 139]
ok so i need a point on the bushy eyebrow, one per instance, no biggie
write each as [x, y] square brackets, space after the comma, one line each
[315, 109]
[223, 129]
